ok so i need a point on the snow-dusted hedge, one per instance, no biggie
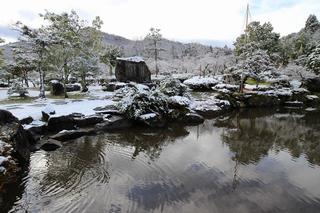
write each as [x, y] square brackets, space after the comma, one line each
[139, 100]
[17, 89]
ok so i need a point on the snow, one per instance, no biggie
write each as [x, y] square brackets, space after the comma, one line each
[136, 59]
[3, 159]
[49, 109]
[62, 107]
[54, 81]
[295, 84]
[252, 87]
[312, 97]
[310, 109]
[147, 116]
[197, 80]
[180, 100]
[141, 88]
[278, 92]
[34, 123]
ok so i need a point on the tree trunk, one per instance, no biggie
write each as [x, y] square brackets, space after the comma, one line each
[84, 83]
[243, 81]
[42, 89]
[25, 78]
[110, 70]
[156, 57]
[65, 79]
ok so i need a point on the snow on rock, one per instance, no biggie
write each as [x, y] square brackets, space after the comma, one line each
[278, 92]
[136, 59]
[209, 107]
[147, 116]
[179, 100]
[312, 97]
[225, 88]
[3, 159]
[35, 123]
[202, 83]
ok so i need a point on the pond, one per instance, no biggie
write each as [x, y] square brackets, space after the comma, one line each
[246, 161]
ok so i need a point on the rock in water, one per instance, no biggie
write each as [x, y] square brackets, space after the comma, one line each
[132, 69]
[312, 84]
[12, 132]
[47, 111]
[51, 145]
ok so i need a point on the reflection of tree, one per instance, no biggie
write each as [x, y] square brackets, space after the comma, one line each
[150, 141]
[251, 135]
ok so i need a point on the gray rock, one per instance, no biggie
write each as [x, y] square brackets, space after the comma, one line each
[88, 121]
[132, 70]
[192, 118]
[72, 134]
[26, 120]
[65, 122]
[112, 86]
[50, 145]
[312, 84]
[152, 120]
[56, 88]
[12, 132]
[114, 123]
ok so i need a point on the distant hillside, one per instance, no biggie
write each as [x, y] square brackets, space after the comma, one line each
[174, 56]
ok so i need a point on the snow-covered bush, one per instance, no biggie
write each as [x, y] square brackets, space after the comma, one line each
[137, 101]
[17, 89]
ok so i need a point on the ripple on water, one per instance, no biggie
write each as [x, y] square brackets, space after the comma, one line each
[252, 169]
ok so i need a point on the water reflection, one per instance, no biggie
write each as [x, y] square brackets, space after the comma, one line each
[251, 134]
[247, 161]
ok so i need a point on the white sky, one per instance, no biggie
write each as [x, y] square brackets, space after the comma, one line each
[177, 19]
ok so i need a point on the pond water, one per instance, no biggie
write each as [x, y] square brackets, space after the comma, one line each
[248, 161]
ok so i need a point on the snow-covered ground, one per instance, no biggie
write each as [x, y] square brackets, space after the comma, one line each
[95, 98]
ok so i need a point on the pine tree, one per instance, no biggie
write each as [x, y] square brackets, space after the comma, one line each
[155, 37]
[109, 57]
[313, 60]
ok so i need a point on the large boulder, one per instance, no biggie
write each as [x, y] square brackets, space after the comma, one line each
[12, 133]
[132, 69]
[56, 88]
[312, 84]
[64, 122]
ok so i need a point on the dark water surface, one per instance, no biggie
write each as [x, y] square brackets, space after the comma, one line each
[249, 161]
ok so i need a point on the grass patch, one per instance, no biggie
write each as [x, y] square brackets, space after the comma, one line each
[18, 100]
[252, 81]
[70, 96]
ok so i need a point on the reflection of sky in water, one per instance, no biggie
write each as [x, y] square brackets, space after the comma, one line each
[195, 173]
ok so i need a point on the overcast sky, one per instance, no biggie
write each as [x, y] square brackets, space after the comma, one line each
[184, 20]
